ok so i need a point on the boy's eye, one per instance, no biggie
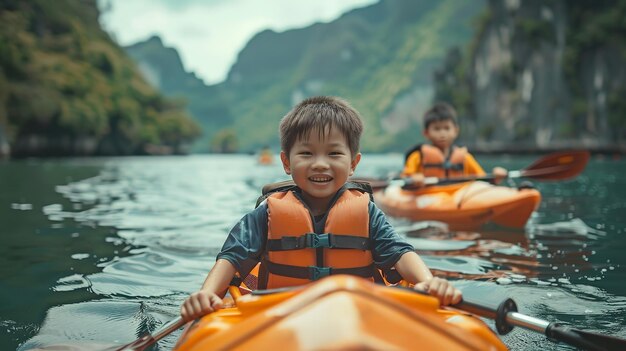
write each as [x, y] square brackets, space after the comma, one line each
[336, 153]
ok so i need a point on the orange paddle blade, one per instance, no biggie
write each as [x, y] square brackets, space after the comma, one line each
[558, 166]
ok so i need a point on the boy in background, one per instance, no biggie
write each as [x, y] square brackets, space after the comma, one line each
[441, 158]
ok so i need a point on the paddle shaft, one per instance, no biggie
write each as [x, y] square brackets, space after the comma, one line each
[168, 328]
[506, 317]
[407, 182]
[147, 340]
[165, 329]
[522, 173]
[555, 166]
[487, 177]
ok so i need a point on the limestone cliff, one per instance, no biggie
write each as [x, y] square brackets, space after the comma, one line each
[541, 75]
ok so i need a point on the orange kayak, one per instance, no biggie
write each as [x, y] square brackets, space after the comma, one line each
[338, 313]
[462, 206]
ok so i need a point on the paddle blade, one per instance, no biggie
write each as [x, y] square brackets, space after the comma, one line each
[583, 339]
[557, 166]
[607, 341]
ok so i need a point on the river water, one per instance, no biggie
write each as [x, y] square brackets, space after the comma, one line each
[99, 250]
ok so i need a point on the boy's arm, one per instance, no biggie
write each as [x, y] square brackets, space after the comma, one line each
[412, 169]
[240, 252]
[472, 167]
[219, 277]
[208, 298]
[412, 164]
[414, 270]
[390, 250]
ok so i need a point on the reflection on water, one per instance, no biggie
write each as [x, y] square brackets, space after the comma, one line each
[108, 248]
[542, 251]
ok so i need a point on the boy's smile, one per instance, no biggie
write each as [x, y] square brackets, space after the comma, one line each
[320, 165]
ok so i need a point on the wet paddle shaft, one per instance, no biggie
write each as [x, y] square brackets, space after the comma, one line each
[555, 166]
[149, 339]
[506, 317]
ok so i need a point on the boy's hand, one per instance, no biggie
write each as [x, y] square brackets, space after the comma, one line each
[500, 174]
[199, 304]
[416, 181]
[441, 289]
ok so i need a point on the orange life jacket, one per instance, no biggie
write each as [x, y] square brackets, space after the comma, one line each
[434, 163]
[296, 255]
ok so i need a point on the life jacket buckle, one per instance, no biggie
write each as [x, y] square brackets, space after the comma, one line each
[316, 272]
[317, 240]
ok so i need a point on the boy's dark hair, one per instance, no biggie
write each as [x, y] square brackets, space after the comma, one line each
[440, 112]
[321, 113]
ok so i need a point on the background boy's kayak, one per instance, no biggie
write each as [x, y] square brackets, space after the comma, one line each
[462, 205]
[466, 205]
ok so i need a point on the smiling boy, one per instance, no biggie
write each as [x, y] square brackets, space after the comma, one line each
[323, 224]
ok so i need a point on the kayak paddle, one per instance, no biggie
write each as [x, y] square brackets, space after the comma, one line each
[555, 166]
[507, 317]
[149, 339]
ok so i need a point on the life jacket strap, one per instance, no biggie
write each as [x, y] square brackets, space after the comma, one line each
[313, 240]
[316, 272]
[392, 276]
[236, 281]
[446, 165]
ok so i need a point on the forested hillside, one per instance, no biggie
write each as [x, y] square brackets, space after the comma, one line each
[67, 89]
[524, 75]
[163, 69]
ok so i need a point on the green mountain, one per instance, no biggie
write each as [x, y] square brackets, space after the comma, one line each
[163, 68]
[67, 89]
[529, 75]
[381, 58]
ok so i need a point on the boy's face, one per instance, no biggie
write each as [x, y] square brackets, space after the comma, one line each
[442, 133]
[320, 166]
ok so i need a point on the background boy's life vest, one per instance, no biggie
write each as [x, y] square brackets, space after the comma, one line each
[434, 163]
[296, 255]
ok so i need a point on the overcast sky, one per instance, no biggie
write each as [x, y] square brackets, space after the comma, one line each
[209, 34]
